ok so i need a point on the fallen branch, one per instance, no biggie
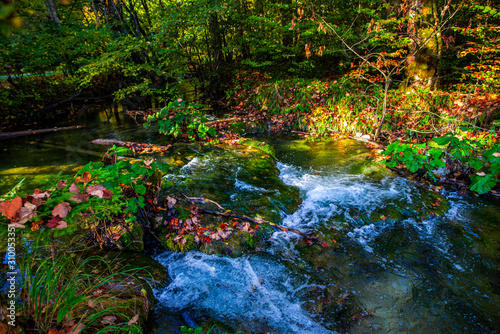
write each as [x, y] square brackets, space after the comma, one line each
[307, 236]
[139, 148]
[202, 200]
[6, 135]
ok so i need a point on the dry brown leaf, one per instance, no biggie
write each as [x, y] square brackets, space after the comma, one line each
[61, 210]
[73, 188]
[107, 194]
[61, 184]
[133, 320]
[16, 225]
[26, 213]
[75, 329]
[108, 320]
[62, 224]
[96, 190]
[171, 202]
[39, 194]
[78, 198]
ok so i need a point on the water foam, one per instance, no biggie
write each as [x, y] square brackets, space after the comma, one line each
[331, 195]
[252, 293]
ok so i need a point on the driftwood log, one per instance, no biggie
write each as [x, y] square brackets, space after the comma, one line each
[6, 135]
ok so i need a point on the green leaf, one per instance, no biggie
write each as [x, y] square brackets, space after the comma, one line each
[141, 189]
[476, 164]
[482, 184]
[443, 140]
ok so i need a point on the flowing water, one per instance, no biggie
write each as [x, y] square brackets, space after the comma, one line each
[399, 259]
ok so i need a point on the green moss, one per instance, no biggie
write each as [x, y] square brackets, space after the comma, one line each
[262, 146]
[189, 244]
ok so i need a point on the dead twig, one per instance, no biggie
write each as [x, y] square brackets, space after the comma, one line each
[202, 200]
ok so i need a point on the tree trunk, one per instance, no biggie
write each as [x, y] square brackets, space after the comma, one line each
[96, 14]
[384, 108]
[425, 47]
[215, 39]
[52, 9]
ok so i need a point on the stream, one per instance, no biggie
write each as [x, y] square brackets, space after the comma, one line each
[398, 259]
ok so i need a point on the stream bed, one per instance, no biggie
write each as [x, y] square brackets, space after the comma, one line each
[398, 259]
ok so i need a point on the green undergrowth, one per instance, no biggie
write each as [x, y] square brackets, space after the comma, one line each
[181, 120]
[62, 292]
[463, 155]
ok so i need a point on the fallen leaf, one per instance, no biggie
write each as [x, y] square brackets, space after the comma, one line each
[53, 222]
[96, 190]
[107, 194]
[16, 225]
[171, 202]
[73, 188]
[62, 224]
[9, 208]
[78, 198]
[26, 213]
[75, 329]
[61, 184]
[133, 320]
[40, 194]
[61, 210]
[85, 178]
[108, 320]
[35, 226]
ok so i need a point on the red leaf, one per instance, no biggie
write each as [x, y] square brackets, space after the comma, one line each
[53, 222]
[324, 244]
[9, 208]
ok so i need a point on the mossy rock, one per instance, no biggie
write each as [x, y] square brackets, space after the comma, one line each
[240, 177]
[209, 233]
